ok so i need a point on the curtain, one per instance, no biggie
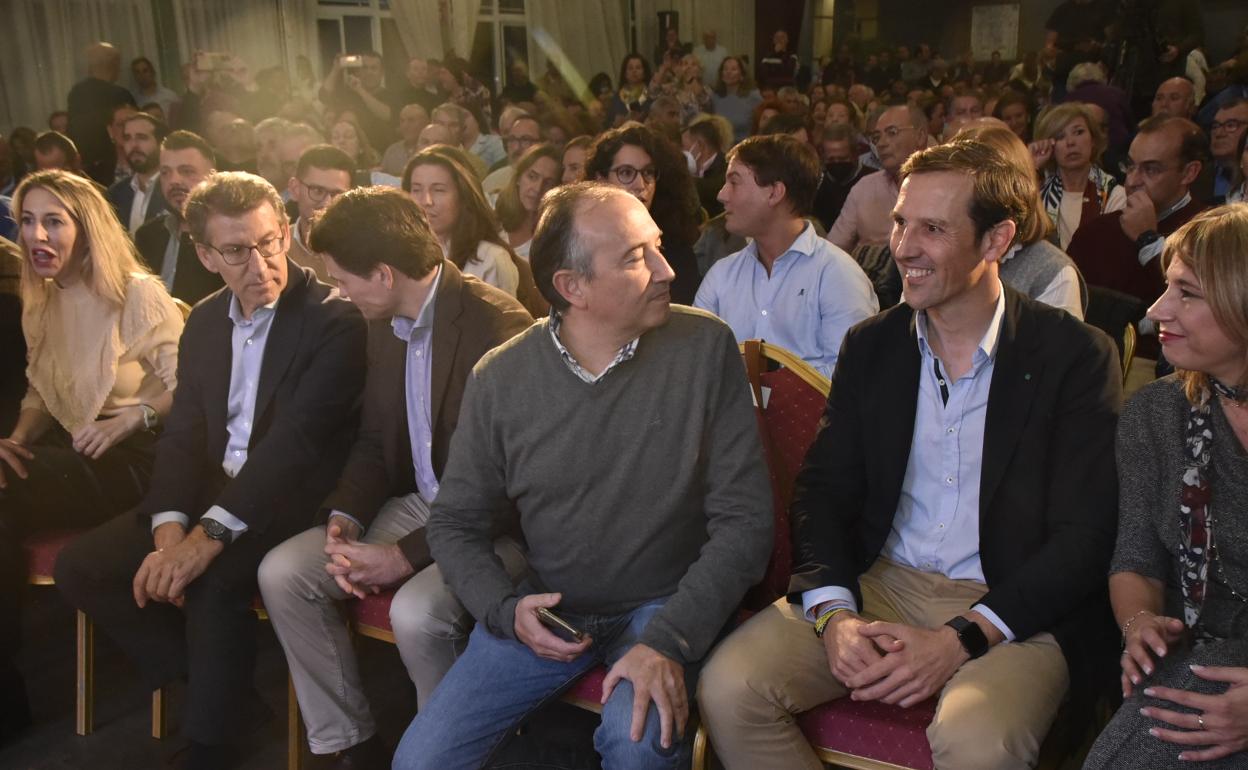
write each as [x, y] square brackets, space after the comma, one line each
[580, 38]
[251, 30]
[420, 26]
[733, 20]
[43, 43]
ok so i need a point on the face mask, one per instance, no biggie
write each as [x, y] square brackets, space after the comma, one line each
[841, 170]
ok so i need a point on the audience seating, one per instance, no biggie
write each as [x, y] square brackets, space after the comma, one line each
[1110, 310]
[1128, 349]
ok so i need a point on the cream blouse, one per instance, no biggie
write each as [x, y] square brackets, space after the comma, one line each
[86, 355]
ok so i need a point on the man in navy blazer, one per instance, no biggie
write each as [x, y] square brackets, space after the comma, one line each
[137, 198]
[955, 516]
[270, 371]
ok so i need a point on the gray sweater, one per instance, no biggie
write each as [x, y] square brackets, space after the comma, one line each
[1150, 466]
[649, 483]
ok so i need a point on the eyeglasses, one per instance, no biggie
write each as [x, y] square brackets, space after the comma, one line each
[1149, 168]
[522, 141]
[891, 132]
[1234, 124]
[237, 254]
[318, 194]
[626, 174]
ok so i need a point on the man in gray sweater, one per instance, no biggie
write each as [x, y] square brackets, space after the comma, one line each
[621, 431]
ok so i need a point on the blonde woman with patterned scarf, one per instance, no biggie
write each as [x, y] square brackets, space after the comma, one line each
[1068, 144]
[1179, 576]
[102, 340]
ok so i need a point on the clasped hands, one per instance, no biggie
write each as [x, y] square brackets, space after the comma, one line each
[891, 662]
[361, 568]
[178, 560]
[1219, 722]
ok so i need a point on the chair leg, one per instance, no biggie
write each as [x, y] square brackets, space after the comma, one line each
[295, 735]
[160, 724]
[701, 750]
[84, 695]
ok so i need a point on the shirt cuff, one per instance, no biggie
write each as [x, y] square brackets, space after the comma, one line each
[1151, 251]
[995, 620]
[840, 597]
[233, 523]
[168, 516]
[347, 516]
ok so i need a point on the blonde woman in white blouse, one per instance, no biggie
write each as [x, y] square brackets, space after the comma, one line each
[102, 340]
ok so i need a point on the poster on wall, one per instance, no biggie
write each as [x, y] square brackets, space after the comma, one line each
[994, 28]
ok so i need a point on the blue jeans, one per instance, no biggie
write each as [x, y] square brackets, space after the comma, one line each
[497, 683]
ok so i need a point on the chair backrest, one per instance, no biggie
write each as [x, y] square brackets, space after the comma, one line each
[794, 403]
[183, 308]
[1109, 310]
[1128, 349]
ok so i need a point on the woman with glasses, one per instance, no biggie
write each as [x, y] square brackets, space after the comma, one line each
[536, 172]
[1179, 577]
[102, 339]
[654, 171]
[448, 193]
[735, 97]
[1068, 146]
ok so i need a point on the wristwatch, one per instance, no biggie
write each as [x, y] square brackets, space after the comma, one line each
[215, 530]
[821, 622]
[970, 635]
[1147, 238]
[150, 418]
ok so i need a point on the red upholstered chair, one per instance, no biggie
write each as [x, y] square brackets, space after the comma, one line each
[41, 551]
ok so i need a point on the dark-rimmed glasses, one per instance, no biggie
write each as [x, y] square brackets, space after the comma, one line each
[237, 254]
[626, 174]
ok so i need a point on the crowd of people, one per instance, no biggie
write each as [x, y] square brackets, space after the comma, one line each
[316, 340]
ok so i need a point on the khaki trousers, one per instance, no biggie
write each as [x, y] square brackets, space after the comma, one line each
[993, 713]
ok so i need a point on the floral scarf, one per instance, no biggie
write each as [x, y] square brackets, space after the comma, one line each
[1195, 517]
[1051, 191]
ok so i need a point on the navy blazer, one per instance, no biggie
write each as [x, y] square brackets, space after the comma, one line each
[121, 195]
[1048, 489]
[306, 411]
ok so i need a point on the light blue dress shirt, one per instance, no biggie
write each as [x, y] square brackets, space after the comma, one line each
[814, 293]
[936, 528]
[419, 337]
[247, 345]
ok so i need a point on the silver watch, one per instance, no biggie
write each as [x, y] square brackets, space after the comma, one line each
[150, 418]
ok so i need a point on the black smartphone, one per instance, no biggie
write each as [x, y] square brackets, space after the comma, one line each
[559, 627]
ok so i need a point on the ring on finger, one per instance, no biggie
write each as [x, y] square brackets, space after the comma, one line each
[1200, 720]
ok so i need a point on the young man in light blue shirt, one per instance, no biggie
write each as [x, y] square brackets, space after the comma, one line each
[788, 287]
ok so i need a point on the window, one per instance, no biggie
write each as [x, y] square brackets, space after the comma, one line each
[501, 39]
[353, 26]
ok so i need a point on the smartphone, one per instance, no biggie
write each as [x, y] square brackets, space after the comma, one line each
[209, 61]
[560, 627]
[354, 61]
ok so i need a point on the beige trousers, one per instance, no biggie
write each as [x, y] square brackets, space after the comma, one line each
[993, 714]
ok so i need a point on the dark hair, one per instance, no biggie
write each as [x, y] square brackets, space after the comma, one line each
[599, 82]
[706, 131]
[781, 158]
[160, 129]
[675, 207]
[230, 194]
[999, 192]
[327, 157]
[839, 132]
[54, 140]
[647, 72]
[756, 116]
[112, 113]
[556, 245]
[783, 123]
[476, 221]
[743, 88]
[510, 210]
[187, 140]
[1194, 145]
[143, 59]
[1239, 154]
[398, 233]
[56, 114]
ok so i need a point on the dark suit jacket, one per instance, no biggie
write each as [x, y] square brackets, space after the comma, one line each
[469, 318]
[305, 417]
[709, 185]
[121, 195]
[1048, 492]
[192, 281]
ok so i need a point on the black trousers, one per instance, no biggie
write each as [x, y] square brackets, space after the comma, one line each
[211, 641]
[63, 489]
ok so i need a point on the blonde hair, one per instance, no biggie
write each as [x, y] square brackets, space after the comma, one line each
[1035, 223]
[1214, 246]
[1055, 119]
[106, 256]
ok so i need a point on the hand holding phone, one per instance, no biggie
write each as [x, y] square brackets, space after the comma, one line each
[532, 631]
[560, 627]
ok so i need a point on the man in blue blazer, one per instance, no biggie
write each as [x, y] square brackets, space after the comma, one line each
[137, 198]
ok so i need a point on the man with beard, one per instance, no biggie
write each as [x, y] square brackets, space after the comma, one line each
[165, 242]
[137, 198]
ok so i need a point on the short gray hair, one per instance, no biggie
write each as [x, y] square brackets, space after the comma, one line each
[556, 244]
[1084, 72]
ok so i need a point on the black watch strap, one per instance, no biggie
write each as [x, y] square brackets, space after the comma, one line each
[1147, 238]
[970, 635]
[215, 530]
